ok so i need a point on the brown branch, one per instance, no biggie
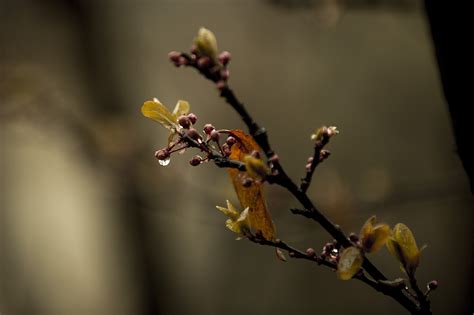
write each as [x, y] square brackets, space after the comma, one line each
[311, 211]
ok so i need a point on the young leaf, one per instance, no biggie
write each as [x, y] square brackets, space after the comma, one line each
[253, 196]
[159, 113]
[349, 263]
[206, 43]
[372, 237]
[403, 246]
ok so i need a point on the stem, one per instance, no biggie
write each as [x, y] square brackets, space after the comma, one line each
[282, 179]
[311, 211]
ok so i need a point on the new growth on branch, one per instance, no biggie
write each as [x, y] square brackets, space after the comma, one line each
[251, 163]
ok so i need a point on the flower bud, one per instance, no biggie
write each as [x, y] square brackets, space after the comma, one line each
[184, 121]
[182, 61]
[311, 252]
[208, 128]
[226, 149]
[353, 237]
[193, 134]
[162, 154]
[225, 74]
[432, 285]
[203, 62]
[221, 85]
[230, 141]
[174, 57]
[193, 118]
[196, 160]
[206, 43]
[214, 135]
[224, 57]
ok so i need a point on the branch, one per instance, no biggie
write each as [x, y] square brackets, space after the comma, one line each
[218, 74]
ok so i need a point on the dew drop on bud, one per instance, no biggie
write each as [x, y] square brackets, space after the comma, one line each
[334, 253]
[164, 162]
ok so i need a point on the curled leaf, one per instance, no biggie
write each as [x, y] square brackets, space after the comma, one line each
[253, 196]
[402, 246]
[237, 222]
[255, 167]
[206, 43]
[349, 263]
[372, 237]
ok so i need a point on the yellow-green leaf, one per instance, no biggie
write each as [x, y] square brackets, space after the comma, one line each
[349, 264]
[206, 43]
[253, 196]
[403, 246]
[181, 108]
[237, 222]
[158, 112]
[372, 237]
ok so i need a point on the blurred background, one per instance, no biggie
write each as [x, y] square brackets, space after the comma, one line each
[90, 223]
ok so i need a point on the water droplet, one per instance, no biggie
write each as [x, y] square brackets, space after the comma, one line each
[164, 162]
[334, 253]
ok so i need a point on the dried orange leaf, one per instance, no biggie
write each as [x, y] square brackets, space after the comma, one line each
[253, 196]
[349, 263]
[372, 238]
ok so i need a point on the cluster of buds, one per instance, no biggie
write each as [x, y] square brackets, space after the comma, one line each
[331, 251]
[205, 57]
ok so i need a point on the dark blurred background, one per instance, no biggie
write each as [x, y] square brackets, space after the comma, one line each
[91, 224]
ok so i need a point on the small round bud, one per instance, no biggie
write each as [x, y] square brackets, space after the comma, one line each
[203, 62]
[196, 160]
[182, 61]
[308, 167]
[432, 285]
[193, 118]
[208, 128]
[184, 121]
[354, 237]
[221, 84]
[324, 155]
[311, 252]
[225, 74]
[226, 149]
[174, 56]
[247, 182]
[292, 254]
[193, 134]
[310, 160]
[328, 247]
[162, 154]
[224, 57]
[214, 135]
[230, 141]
